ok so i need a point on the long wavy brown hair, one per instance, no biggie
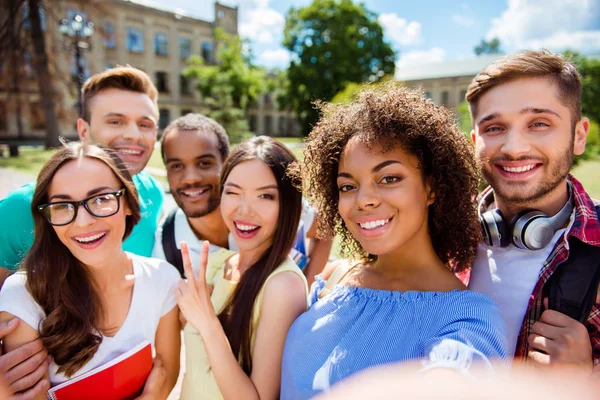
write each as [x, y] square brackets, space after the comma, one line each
[236, 318]
[58, 282]
[393, 116]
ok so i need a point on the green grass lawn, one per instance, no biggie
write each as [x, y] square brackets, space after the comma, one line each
[588, 173]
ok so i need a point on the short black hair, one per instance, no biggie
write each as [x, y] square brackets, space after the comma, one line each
[197, 122]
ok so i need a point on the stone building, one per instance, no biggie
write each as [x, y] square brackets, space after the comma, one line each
[155, 39]
[445, 82]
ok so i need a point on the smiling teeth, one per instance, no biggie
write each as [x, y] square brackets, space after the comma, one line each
[90, 238]
[374, 224]
[193, 193]
[127, 151]
[519, 169]
[246, 228]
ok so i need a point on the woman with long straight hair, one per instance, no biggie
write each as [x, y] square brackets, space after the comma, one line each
[239, 310]
[87, 299]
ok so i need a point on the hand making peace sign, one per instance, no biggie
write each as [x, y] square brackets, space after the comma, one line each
[193, 294]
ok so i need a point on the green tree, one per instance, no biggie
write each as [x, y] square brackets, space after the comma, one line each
[229, 86]
[333, 43]
[488, 47]
[590, 76]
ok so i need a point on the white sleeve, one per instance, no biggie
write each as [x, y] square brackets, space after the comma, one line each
[15, 299]
[158, 251]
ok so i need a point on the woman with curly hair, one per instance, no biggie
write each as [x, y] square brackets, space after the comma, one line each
[392, 175]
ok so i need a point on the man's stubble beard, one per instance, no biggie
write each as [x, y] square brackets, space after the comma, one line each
[213, 203]
[558, 174]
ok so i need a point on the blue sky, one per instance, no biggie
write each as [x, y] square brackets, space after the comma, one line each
[425, 31]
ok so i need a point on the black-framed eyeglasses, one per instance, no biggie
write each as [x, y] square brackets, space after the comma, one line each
[100, 205]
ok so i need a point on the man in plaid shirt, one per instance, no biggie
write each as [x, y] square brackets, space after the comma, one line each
[526, 113]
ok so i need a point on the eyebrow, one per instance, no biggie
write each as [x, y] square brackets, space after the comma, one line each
[488, 118]
[535, 110]
[115, 114]
[376, 168]
[209, 155]
[260, 188]
[90, 193]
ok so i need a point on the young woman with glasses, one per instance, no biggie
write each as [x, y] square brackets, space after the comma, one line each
[87, 299]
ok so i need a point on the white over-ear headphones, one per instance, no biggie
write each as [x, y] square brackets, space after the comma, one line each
[529, 229]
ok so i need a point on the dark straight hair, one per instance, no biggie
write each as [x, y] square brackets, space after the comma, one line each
[236, 318]
[58, 282]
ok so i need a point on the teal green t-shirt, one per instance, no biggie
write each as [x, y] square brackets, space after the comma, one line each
[16, 230]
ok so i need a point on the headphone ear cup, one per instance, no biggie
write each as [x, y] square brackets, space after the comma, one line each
[531, 230]
[495, 232]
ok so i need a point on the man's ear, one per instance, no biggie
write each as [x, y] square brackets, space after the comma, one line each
[83, 130]
[580, 136]
[473, 136]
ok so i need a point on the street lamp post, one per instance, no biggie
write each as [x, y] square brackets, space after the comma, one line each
[76, 32]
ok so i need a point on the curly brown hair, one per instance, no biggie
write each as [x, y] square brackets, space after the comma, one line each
[393, 116]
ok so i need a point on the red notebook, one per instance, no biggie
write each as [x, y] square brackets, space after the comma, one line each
[120, 378]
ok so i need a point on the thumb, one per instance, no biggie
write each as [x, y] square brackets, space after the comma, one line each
[546, 303]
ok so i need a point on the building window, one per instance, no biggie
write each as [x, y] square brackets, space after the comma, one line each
[161, 43]
[42, 13]
[220, 14]
[109, 36]
[428, 95]
[37, 116]
[186, 111]
[281, 129]
[135, 40]
[463, 94]
[185, 48]
[445, 96]
[268, 125]
[164, 117]
[162, 82]
[253, 123]
[184, 85]
[207, 52]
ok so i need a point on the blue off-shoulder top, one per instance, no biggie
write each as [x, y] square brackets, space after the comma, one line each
[352, 328]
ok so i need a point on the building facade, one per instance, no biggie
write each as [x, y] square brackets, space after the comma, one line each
[127, 32]
[445, 82]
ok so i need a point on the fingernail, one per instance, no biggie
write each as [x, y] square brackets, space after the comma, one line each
[12, 322]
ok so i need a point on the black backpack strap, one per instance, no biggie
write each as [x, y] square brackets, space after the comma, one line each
[172, 253]
[573, 288]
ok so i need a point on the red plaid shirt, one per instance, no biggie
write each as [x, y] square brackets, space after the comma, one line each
[586, 227]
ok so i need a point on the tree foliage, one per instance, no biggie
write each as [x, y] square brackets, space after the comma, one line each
[229, 86]
[491, 46]
[333, 43]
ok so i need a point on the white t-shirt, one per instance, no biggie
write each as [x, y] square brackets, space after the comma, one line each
[508, 275]
[153, 297]
[184, 232]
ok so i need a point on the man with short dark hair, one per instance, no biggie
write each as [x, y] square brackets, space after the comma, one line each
[537, 218]
[194, 148]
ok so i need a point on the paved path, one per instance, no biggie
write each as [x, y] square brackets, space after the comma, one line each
[11, 180]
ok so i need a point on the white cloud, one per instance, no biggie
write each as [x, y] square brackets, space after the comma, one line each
[463, 20]
[419, 57]
[262, 25]
[399, 30]
[554, 24]
[274, 58]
